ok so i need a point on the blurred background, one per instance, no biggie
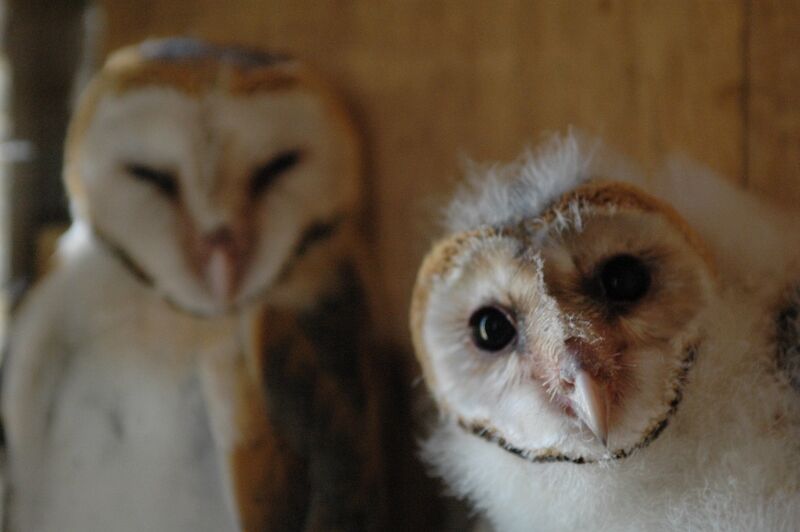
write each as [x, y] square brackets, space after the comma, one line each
[432, 81]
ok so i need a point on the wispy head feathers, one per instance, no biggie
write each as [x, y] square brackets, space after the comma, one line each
[505, 193]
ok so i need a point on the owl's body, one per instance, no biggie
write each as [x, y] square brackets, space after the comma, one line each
[634, 382]
[106, 414]
[727, 460]
[214, 191]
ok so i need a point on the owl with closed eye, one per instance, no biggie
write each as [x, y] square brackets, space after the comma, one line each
[181, 367]
[613, 353]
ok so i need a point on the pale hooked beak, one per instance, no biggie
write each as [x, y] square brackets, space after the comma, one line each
[221, 265]
[220, 275]
[590, 403]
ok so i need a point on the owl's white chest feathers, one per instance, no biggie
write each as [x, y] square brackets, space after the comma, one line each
[107, 421]
[728, 460]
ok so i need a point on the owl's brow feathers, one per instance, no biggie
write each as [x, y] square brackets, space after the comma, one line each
[657, 427]
[195, 66]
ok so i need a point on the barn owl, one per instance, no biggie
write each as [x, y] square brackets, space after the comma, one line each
[611, 353]
[176, 370]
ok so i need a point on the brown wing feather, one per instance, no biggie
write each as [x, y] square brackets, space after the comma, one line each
[320, 443]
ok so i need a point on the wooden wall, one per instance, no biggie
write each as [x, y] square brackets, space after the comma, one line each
[433, 80]
[41, 45]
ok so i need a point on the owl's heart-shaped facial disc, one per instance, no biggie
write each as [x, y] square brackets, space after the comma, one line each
[206, 167]
[567, 334]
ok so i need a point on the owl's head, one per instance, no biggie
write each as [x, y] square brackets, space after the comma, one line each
[209, 168]
[561, 317]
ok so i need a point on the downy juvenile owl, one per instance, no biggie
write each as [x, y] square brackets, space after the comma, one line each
[203, 179]
[605, 358]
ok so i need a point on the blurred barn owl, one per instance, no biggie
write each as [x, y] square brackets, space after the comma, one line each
[605, 358]
[177, 370]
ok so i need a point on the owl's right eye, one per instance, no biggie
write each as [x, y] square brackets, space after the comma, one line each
[164, 181]
[492, 329]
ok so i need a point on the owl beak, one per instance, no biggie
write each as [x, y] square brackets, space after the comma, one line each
[221, 275]
[590, 402]
[221, 265]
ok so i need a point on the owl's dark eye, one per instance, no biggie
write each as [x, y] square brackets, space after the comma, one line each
[163, 180]
[492, 329]
[266, 174]
[624, 279]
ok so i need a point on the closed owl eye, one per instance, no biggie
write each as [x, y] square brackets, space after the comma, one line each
[624, 279]
[492, 329]
[266, 174]
[163, 180]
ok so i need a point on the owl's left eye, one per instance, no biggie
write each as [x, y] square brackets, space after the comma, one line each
[624, 279]
[492, 329]
[266, 174]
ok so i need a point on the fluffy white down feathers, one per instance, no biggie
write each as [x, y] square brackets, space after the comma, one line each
[500, 194]
[727, 456]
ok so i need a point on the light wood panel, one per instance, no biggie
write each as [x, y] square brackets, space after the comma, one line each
[431, 81]
[773, 119]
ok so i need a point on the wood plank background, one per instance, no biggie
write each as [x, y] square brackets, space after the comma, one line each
[433, 80]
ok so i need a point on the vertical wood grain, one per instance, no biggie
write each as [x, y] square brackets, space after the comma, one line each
[773, 110]
[431, 81]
